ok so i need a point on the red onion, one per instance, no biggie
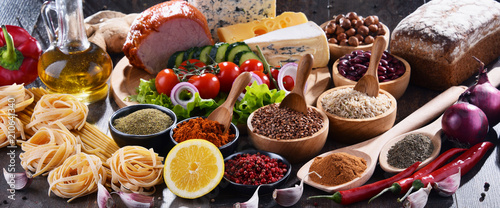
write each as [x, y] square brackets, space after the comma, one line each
[485, 96]
[255, 78]
[465, 123]
[176, 91]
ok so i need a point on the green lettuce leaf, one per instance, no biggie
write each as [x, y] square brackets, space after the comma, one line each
[255, 97]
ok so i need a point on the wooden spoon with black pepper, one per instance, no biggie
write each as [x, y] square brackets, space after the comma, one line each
[432, 131]
[295, 100]
[224, 113]
[369, 82]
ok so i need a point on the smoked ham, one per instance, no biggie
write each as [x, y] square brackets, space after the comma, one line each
[163, 29]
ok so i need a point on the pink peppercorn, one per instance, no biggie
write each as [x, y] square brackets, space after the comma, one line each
[254, 169]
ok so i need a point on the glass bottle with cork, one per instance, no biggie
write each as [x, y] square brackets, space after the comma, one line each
[72, 64]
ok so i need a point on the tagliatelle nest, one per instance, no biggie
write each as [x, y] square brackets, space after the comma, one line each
[15, 97]
[58, 107]
[9, 135]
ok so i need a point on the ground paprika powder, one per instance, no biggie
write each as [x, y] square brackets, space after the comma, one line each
[202, 128]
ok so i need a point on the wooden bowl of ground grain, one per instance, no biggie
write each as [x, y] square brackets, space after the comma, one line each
[144, 125]
[355, 117]
[288, 133]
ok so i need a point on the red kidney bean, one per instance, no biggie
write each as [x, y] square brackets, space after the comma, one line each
[354, 65]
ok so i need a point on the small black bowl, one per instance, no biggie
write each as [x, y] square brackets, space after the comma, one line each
[158, 141]
[226, 149]
[265, 188]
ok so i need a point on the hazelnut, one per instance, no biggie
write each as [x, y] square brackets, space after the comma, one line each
[375, 19]
[343, 42]
[353, 41]
[345, 23]
[341, 36]
[363, 30]
[373, 28]
[339, 30]
[333, 40]
[369, 20]
[352, 15]
[359, 37]
[369, 40]
[338, 17]
[351, 32]
[359, 23]
[381, 31]
[330, 28]
[354, 22]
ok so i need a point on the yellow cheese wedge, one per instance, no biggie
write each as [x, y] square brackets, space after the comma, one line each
[291, 43]
[243, 31]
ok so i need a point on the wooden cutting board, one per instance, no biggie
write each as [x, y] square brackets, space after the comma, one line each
[125, 79]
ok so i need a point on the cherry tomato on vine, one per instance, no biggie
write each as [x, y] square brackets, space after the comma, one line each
[166, 80]
[227, 74]
[189, 66]
[288, 82]
[263, 77]
[252, 65]
[208, 84]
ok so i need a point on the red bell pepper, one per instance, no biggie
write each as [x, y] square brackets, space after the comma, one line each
[19, 54]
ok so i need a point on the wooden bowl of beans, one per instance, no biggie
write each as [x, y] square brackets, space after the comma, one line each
[351, 32]
[394, 72]
[355, 117]
[293, 135]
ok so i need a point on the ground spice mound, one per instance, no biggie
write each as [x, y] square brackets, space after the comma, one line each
[337, 168]
[202, 128]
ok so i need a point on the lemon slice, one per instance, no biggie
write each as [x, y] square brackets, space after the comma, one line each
[193, 168]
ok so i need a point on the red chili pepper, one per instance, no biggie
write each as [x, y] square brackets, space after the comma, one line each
[464, 162]
[19, 54]
[403, 185]
[365, 192]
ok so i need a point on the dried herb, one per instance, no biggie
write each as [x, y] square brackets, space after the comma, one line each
[143, 122]
[413, 148]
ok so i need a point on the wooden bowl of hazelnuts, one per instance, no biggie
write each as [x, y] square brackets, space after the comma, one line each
[351, 32]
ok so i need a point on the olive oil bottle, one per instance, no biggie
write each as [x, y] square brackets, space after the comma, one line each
[72, 64]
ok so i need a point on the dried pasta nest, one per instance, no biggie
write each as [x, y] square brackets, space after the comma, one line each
[15, 96]
[5, 122]
[58, 107]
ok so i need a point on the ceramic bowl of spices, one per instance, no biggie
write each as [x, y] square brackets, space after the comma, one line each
[351, 32]
[293, 135]
[246, 170]
[202, 128]
[355, 117]
[393, 71]
[144, 125]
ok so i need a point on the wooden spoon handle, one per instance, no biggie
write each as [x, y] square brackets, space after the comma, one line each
[303, 71]
[377, 50]
[239, 85]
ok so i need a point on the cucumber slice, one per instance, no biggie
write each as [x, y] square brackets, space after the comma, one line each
[189, 53]
[221, 52]
[235, 48]
[196, 53]
[179, 59]
[213, 51]
[172, 60]
[204, 54]
[242, 56]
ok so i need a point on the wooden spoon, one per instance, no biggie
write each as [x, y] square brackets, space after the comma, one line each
[369, 82]
[224, 113]
[370, 149]
[295, 99]
[432, 131]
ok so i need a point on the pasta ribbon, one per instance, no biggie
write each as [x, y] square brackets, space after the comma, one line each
[58, 107]
[135, 169]
[47, 149]
[77, 176]
[10, 129]
[15, 95]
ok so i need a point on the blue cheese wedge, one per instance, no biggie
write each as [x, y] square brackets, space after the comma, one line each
[290, 44]
[221, 13]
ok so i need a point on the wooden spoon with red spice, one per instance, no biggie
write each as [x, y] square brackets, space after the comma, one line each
[224, 113]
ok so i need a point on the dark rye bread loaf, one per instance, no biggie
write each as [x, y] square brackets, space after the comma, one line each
[439, 39]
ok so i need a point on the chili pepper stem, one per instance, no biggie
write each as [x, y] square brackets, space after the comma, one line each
[10, 57]
[406, 195]
[335, 197]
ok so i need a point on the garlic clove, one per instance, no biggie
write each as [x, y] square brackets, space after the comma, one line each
[253, 202]
[418, 199]
[133, 200]
[104, 199]
[449, 185]
[17, 181]
[287, 197]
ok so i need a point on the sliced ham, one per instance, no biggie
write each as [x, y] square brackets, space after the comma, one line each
[163, 29]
